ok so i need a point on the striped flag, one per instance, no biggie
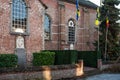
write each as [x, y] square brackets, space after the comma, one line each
[97, 22]
[107, 22]
[77, 10]
[98, 12]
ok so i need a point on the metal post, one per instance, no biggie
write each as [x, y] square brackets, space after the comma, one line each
[98, 29]
[106, 44]
[98, 39]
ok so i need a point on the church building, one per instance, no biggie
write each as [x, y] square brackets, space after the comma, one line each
[28, 26]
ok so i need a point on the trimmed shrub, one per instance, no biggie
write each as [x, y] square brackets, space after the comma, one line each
[89, 57]
[43, 58]
[63, 57]
[8, 60]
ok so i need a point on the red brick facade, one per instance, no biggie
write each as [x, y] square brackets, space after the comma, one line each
[60, 12]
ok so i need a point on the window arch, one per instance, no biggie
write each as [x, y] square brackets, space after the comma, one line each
[71, 31]
[47, 27]
[19, 16]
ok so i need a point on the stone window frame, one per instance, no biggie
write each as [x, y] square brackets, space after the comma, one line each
[27, 31]
[71, 39]
[50, 21]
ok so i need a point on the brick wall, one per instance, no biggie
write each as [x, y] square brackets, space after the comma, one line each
[7, 41]
[33, 42]
[60, 13]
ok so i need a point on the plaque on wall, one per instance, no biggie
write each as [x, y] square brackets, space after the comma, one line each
[19, 42]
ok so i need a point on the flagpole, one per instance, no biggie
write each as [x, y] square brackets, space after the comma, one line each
[98, 40]
[77, 18]
[107, 26]
[106, 44]
[98, 30]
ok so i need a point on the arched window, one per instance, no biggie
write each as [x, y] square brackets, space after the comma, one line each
[71, 31]
[47, 25]
[19, 16]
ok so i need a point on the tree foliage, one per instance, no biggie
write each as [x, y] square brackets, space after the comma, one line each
[109, 10]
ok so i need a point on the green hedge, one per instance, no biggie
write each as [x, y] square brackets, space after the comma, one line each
[89, 57]
[43, 58]
[65, 56]
[8, 60]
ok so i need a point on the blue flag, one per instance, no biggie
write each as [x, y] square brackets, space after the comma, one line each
[77, 10]
[76, 4]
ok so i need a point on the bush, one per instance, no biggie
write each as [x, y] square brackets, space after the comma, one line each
[8, 60]
[43, 58]
[89, 57]
[64, 57]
